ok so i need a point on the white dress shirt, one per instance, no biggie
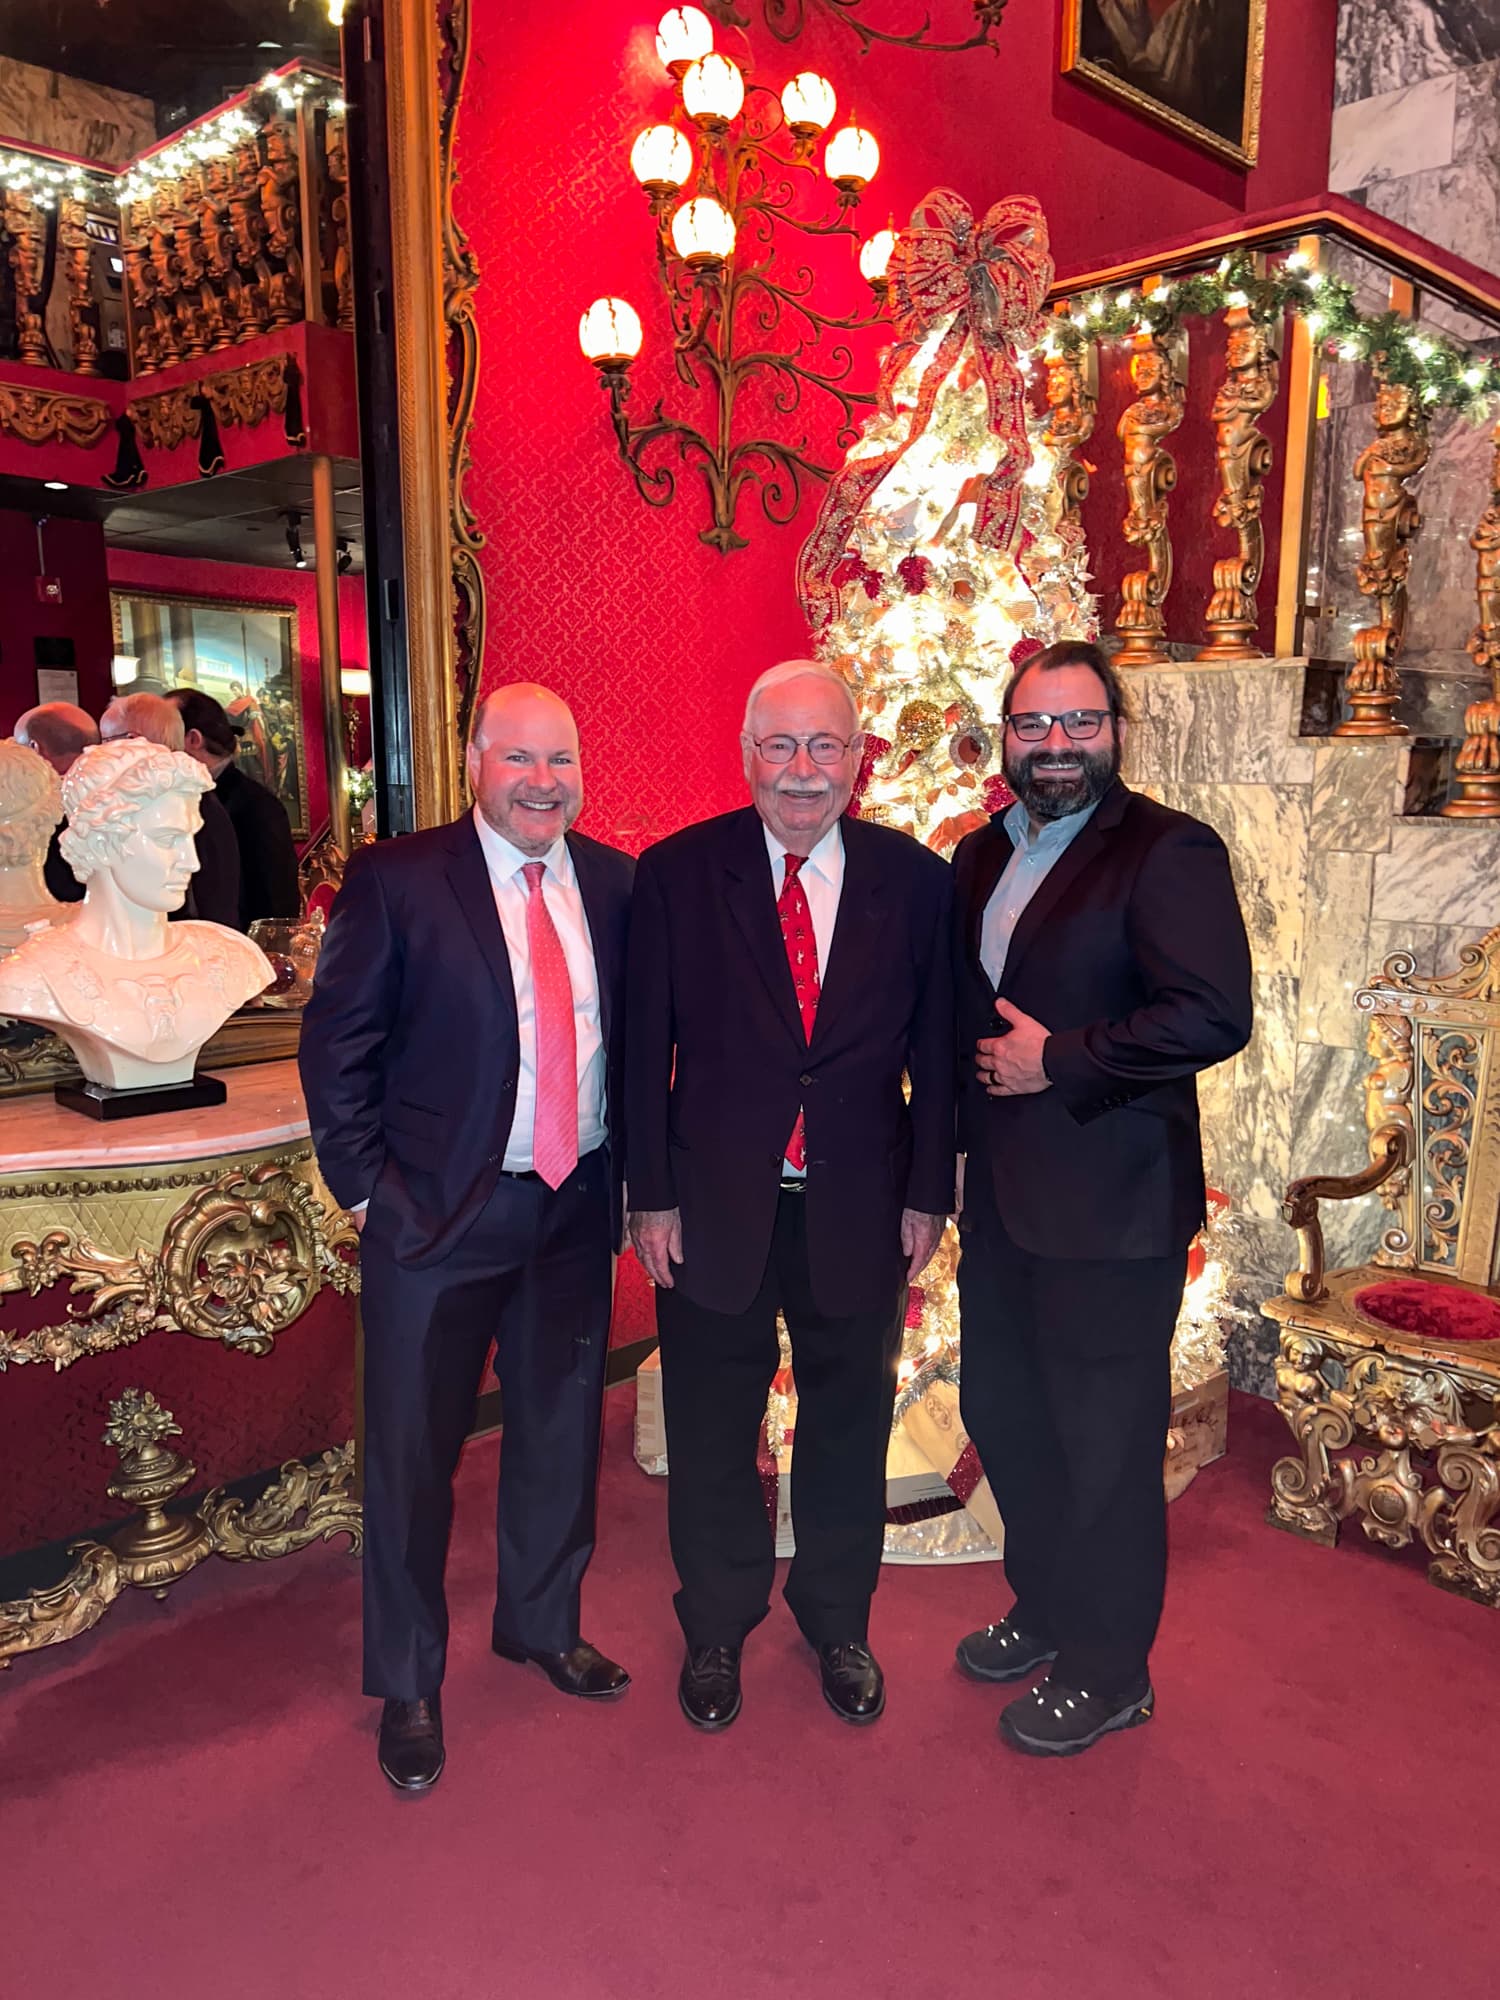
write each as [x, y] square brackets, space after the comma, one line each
[822, 879]
[564, 902]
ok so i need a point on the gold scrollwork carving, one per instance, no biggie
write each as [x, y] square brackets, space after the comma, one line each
[1450, 1061]
[36, 417]
[460, 281]
[305, 1503]
[167, 419]
[240, 1260]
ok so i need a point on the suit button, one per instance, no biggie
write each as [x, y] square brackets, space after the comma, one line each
[806, 1080]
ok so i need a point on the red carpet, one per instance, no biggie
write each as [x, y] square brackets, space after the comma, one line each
[191, 1805]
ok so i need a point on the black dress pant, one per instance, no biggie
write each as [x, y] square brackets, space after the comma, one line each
[716, 1372]
[533, 1277]
[1067, 1395]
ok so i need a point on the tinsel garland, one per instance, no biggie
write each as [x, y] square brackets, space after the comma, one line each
[1442, 374]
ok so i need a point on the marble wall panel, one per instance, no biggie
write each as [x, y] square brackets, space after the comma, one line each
[1336, 955]
[1355, 794]
[1440, 872]
[89, 120]
[1204, 724]
[1329, 1136]
[1384, 44]
[1399, 132]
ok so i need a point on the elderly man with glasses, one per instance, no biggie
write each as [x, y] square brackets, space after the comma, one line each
[1101, 963]
[789, 979]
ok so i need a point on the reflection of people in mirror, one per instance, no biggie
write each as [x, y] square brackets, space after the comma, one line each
[134, 999]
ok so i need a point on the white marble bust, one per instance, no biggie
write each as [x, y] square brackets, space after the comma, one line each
[30, 806]
[134, 997]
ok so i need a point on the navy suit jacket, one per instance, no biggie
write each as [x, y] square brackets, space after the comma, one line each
[410, 1050]
[718, 1062]
[1133, 953]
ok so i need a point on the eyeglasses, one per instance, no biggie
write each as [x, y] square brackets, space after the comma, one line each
[782, 749]
[1081, 724]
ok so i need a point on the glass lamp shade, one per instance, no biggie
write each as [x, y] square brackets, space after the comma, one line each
[809, 103]
[712, 90]
[852, 158]
[875, 255]
[703, 231]
[355, 682]
[682, 35]
[610, 333]
[661, 158]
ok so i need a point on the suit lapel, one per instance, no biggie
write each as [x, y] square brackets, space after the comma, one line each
[469, 879]
[853, 955]
[1069, 868]
[752, 904]
[601, 930]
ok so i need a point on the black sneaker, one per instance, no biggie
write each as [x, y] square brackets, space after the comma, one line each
[1001, 1653]
[1058, 1721]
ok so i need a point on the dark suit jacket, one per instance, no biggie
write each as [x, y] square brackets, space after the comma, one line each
[410, 1051]
[268, 854]
[717, 1062]
[1133, 954]
[62, 884]
[214, 890]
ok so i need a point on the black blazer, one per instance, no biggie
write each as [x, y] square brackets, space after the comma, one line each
[717, 1062]
[268, 854]
[1133, 953]
[410, 1050]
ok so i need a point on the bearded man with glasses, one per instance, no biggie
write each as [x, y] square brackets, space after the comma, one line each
[1101, 963]
[790, 975]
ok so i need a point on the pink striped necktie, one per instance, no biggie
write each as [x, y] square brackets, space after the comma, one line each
[554, 1144]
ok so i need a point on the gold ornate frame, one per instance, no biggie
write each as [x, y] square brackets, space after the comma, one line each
[301, 824]
[1245, 154]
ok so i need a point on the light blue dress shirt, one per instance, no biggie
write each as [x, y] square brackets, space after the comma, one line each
[1033, 857]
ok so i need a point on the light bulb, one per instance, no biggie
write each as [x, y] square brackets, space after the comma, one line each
[809, 103]
[610, 333]
[875, 255]
[712, 90]
[661, 158]
[852, 158]
[682, 35]
[703, 231]
[1474, 378]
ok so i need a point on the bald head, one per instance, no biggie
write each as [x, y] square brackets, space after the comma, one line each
[57, 731]
[524, 766]
[151, 717]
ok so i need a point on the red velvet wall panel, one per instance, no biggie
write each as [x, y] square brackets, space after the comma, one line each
[74, 554]
[651, 635]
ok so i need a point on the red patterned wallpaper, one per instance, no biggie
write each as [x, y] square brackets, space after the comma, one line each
[651, 635]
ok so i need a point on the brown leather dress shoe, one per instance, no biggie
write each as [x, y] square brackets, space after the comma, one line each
[582, 1670]
[411, 1743]
[853, 1685]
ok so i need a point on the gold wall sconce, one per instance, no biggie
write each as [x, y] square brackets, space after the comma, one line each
[721, 176]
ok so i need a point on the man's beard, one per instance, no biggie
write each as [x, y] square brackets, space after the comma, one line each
[1059, 796]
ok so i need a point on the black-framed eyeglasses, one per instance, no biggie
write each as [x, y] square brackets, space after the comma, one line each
[1081, 725]
[822, 748]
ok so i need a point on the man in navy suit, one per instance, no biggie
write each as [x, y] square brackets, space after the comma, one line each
[789, 973]
[460, 1059]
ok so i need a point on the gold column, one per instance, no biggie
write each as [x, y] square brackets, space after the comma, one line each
[1478, 764]
[325, 537]
[1390, 521]
[1248, 390]
[413, 137]
[1159, 373]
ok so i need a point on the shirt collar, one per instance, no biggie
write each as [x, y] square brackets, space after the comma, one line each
[1055, 833]
[826, 859]
[504, 859]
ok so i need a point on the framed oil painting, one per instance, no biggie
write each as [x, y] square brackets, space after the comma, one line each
[246, 656]
[1192, 65]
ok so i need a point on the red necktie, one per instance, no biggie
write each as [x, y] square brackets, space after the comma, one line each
[554, 1142]
[802, 956]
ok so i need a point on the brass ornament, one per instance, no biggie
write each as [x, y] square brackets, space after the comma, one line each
[1390, 519]
[51, 1617]
[1072, 406]
[37, 416]
[1244, 452]
[1477, 766]
[1150, 476]
[919, 727]
[240, 1260]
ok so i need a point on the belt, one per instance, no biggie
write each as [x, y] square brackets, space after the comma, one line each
[794, 1185]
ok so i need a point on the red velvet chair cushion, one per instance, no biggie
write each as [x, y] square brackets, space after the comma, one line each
[1435, 1312]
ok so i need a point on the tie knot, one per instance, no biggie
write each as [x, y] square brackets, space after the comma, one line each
[793, 863]
[534, 871]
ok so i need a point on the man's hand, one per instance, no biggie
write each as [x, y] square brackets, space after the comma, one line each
[920, 1236]
[657, 1236]
[1010, 1065]
[357, 1217]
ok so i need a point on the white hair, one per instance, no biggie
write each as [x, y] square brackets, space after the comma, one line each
[801, 670]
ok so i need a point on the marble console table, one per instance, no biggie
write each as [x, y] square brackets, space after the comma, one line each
[213, 1223]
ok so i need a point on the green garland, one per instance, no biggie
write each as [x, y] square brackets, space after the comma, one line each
[1443, 375]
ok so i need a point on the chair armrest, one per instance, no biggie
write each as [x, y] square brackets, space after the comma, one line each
[1390, 1149]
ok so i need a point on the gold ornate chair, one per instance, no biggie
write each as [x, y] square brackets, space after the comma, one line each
[1389, 1374]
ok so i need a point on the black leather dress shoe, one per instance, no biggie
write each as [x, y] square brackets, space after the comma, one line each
[582, 1670]
[853, 1685]
[708, 1688]
[411, 1743]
